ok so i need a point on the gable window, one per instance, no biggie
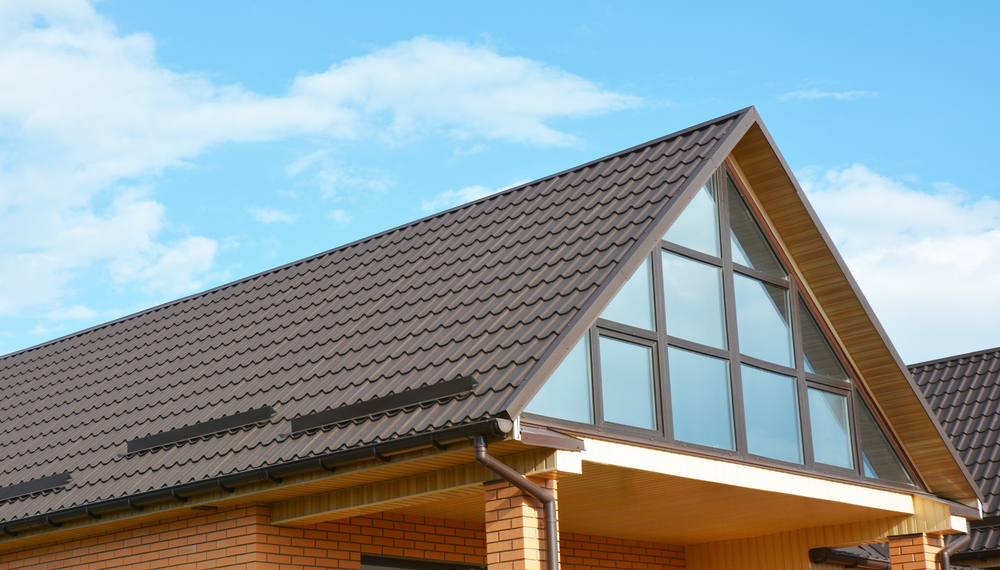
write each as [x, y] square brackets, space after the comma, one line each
[712, 345]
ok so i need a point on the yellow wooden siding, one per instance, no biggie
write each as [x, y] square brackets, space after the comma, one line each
[880, 368]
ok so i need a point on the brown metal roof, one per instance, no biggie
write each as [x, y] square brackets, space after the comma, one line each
[484, 289]
[964, 392]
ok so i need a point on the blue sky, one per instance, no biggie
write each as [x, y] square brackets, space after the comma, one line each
[152, 150]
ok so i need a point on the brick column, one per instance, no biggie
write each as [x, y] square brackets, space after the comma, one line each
[914, 551]
[515, 526]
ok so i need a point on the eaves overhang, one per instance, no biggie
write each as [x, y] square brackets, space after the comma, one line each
[825, 275]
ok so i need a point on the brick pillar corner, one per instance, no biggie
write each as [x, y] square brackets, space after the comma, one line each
[515, 526]
[914, 551]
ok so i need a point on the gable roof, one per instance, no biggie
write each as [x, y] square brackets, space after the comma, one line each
[485, 289]
[964, 392]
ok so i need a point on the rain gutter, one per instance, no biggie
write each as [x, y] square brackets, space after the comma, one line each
[524, 484]
[821, 555]
[329, 462]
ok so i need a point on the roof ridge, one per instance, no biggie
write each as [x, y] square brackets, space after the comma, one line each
[89, 362]
[945, 360]
[390, 231]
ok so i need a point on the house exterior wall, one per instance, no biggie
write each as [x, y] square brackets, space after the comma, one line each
[241, 538]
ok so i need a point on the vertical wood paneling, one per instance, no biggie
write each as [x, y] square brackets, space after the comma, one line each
[790, 550]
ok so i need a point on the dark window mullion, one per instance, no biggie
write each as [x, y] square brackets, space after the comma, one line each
[595, 375]
[769, 366]
[761, 276]
[628, 330]
[696, 347]
[856, 427]
[693, 254]
[732, 337]
[830, 382]
[663, 371]
[805, 422]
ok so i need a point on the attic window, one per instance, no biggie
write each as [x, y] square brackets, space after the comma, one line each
[712, 344]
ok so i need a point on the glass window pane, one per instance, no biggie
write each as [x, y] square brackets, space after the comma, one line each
[831, 432]
[771, 408]
[762, 320]
[567, 393]
[819, 357]
[880, 459]
[633, 305]
[692, 293]
[627, 383]
[699, 397]
[698, 225]
[747, 241]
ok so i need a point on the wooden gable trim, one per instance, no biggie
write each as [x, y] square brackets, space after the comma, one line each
[851, 316]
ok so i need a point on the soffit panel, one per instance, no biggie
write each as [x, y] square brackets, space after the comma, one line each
[842, 303]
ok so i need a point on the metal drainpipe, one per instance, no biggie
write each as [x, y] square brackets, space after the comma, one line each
[522, 483]
[945, 555]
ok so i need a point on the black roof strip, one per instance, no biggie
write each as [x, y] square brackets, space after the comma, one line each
[460, 385]
[210, 427]
[34, 486]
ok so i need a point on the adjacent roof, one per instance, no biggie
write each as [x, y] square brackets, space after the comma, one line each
[485, 289]
[964, 392]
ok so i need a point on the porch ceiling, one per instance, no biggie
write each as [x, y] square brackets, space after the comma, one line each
[671, 498]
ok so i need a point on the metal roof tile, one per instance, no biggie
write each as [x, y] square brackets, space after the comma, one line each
[481, 289]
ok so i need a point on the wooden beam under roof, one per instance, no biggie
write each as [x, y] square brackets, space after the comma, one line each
[460, 481]
[841, 301]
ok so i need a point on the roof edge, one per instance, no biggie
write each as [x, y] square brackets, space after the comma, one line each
[873, 319]
[974, 353]
[496, 426]
[358, 242]
[644, 245]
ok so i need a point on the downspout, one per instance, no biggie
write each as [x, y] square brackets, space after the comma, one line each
[944, 557]
[524, 484]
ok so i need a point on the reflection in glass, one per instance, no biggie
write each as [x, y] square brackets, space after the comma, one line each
[880, 459]
[819, 357]
[747, 241]
[697, 227]
[771, 408]
[633, 305]
[692, 294]
[831, 434]
[762, 320]
[699, 399]
[627, 383]
[567, 393]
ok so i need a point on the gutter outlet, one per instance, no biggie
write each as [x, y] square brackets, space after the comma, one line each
[524, 484]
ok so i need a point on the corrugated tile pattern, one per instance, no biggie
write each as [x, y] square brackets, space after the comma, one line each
[482, 289]
[964, 392]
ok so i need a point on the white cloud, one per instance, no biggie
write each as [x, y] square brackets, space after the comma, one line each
[340, 216]
[474, 148]
[336, 179]
[812, 94]
[451, 198]
[84, 109]
[269, 215]
[925, 261]
[75, 313]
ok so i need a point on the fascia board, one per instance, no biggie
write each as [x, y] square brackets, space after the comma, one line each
[911, 391]
[644, 245]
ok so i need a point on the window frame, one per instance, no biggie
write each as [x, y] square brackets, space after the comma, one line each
[659, 340]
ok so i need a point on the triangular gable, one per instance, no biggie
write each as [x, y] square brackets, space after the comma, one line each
[824, 274]
[483, 289]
